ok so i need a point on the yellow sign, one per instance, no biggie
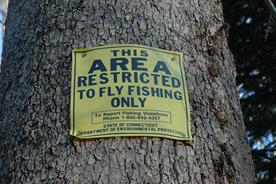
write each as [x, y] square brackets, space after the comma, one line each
[129, 90]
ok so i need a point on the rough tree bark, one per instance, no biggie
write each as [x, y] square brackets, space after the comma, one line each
[35, 92]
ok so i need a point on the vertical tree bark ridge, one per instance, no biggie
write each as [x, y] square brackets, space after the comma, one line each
[35, 79]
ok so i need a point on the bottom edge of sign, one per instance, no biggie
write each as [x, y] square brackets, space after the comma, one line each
[189, 138]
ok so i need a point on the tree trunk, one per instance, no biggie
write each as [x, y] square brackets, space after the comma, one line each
[35, 94]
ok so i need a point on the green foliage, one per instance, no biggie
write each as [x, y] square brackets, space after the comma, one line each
[252, 39]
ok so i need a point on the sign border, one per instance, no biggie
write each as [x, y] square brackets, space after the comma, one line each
[183, 77]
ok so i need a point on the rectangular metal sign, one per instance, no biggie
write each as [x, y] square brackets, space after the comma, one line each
[129, 90]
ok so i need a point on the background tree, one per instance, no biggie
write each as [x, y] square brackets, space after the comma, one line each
[35, 89]
[252, 40]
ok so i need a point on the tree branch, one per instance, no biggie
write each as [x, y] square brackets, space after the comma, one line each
[271, 7]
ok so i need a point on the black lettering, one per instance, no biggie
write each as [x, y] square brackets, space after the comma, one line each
[119, 89]
[168, 93]
[97, 65]
[165, 81]
[136, 77]
[115, 102]
[125, 102]
[144, 53]
[121, 62]
[178, 95]
[142, 101]
[175, 82]
[91, 80]
[82, 81]
[130, 90]
[115, 52]
[137, 64]
[128, 52]
[143, 78]
[115, 76]
[155, 78]
[104, 78]
[110, 92]
[81, 91]
[102, 91]
[90, 93]
[155, 92]
[126, 77]
[134, 52]
[145, 91]
[138, 90]
[161, 66]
